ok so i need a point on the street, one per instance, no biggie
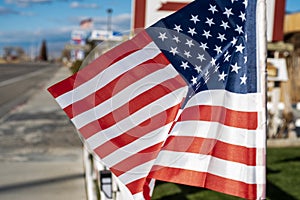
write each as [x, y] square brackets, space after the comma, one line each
[41, 153]
[18, 81]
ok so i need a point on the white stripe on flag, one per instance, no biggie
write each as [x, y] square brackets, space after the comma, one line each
[136, 173]
[210, 164]
[241, 102]
[215, 130]
[138, 196]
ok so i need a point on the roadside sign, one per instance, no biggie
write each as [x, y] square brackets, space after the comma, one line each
[277, 69]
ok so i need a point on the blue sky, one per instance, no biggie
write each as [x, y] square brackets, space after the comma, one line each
[26, 23]
[293, 5]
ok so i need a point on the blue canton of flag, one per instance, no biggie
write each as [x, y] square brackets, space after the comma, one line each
[209, 45]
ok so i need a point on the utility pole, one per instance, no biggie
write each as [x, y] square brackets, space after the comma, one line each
[109, 16]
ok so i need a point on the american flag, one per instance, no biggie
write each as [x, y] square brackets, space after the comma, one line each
[179, 102]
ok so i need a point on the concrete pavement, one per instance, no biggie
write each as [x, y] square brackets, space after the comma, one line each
[40, 151]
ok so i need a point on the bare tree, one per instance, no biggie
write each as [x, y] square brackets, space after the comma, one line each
[43, 51]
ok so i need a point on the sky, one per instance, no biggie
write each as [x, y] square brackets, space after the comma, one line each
[26, 23]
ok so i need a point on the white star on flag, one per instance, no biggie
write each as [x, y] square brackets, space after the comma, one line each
[178, 28]
[206, 34]
[222, 76]
[225, 25]
[184, 65]
[209, 21]
[228, 12]
[195, 19]
[235, 68]
[192, 31]
[240, 48]
[213, 9]
[174, 51]
[162, 36]
[243, 79]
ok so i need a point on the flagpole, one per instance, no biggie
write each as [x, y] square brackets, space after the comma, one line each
[262, 63]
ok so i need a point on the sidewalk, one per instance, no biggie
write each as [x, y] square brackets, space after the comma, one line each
[41, 153]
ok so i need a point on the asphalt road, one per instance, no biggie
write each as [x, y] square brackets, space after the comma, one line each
[19, 81]
[40, 151]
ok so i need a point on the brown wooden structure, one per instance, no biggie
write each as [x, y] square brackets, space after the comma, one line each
[292, 36]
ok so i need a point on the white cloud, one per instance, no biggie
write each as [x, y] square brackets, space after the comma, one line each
[28, 14]
[7, 11]
[119, 22]
[122, 18]
[25, 3]
[37, 35]
[76, 4]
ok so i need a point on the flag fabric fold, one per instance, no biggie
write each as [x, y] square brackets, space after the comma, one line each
[179, 102]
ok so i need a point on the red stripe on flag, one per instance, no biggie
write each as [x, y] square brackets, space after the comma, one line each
[90, 129]
[136, 159]
[212, 147]
[146, 189]
[137, 132]
[100, 64]
[238, 119]
[133, 105]
[117, 85]
[62, 87]
[204, 179]
[172, 6]
[137, 187]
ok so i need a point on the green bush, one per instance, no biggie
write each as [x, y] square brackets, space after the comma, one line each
[76, 66]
